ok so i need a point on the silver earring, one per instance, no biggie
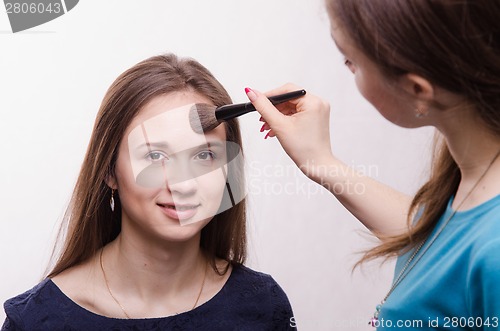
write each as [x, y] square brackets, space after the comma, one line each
[112, 200]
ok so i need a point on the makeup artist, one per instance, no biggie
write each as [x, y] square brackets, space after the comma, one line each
[419, 63]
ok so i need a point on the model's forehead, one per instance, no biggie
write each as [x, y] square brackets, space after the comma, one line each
[166, 120]
[166, 102]
[171, 127]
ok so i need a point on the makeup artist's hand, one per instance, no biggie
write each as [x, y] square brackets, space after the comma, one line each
[302, 126]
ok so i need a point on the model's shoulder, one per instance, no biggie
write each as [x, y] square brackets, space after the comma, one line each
[34, 294]
[258, 282]
[74, 281]
[244, 273]
[258, 293]
[25, 307]
[83, 284]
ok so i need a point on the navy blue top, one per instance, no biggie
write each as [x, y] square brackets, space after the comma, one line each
[249, 300]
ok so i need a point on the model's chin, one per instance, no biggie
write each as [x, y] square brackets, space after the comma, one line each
[198, 218]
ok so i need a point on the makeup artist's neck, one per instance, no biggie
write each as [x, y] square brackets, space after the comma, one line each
[473, 147]
[152, 269]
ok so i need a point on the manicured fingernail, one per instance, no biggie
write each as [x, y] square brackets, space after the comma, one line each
[250, 93]
[261, 119]
[262, 128]
[267, 135]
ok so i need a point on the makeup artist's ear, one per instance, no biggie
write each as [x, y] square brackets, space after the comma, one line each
[418, 87]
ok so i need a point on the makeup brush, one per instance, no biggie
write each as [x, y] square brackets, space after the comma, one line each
[204, 117]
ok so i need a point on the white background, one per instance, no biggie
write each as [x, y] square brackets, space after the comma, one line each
[53, 78]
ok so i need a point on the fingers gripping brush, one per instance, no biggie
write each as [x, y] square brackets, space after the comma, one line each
[205, 117]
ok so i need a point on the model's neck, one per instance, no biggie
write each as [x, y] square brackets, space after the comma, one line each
[153, 271]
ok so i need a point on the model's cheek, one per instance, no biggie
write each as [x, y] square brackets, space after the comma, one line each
[127, 184]
[223, 188]
[210, 190]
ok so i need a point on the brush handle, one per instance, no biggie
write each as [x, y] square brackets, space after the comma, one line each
[228, 112]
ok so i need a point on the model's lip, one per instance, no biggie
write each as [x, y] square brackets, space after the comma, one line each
[179, 211]
[179, 206]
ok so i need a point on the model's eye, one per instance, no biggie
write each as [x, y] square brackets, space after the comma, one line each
[156, 156]
[205, 156]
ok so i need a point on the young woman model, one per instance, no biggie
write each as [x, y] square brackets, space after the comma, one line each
[419, 63]
[150, 242]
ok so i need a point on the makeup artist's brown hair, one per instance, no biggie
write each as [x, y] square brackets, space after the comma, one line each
[455, 44]
[89, 222]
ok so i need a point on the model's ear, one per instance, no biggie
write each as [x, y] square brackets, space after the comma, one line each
[111, 180]
[418, 87]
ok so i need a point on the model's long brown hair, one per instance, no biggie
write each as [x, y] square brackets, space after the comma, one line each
[89, 222]
[455, 44]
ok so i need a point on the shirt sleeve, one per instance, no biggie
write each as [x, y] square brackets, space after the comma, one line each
[484, 287]
[282, 314]
[9, 324]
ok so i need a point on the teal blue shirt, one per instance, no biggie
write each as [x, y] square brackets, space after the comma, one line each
[456, 283]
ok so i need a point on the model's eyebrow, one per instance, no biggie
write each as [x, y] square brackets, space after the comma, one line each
[216, 143]
[149, 145]
[165, 145]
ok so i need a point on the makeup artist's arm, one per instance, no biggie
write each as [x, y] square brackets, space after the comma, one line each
[302, 126]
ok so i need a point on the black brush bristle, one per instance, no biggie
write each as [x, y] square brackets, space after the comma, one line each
[205, 117]
[202, 118]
